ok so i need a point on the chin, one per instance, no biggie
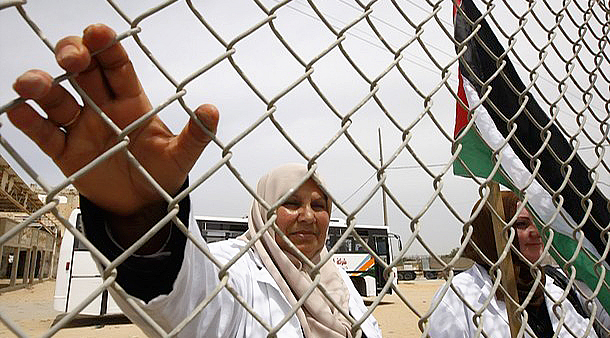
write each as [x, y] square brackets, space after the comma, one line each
[533, 258]
[309, 252]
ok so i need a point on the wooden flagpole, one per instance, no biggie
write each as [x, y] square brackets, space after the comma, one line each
[506, 266]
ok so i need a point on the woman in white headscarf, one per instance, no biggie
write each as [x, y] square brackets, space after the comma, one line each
[304, 218]
[270, 277]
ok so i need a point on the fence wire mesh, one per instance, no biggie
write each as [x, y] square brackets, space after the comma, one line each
[364, 93]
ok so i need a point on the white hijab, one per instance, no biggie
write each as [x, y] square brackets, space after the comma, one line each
[318, 317]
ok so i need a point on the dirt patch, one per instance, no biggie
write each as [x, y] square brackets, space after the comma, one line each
[32, 310]
[396, 318]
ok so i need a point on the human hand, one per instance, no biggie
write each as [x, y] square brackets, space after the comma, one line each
[73, 135]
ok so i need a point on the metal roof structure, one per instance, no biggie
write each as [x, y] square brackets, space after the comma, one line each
[17, 196]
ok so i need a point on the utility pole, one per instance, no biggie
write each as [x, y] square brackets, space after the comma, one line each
[383, 197]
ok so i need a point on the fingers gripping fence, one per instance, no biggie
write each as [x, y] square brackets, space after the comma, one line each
[324, 83]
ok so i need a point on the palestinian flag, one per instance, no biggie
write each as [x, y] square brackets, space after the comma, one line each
[495, 106]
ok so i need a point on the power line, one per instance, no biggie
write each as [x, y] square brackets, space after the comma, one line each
[425, 10]
[438, 49]
[588, 147]
[357, 190]
[415, 166]
[372, 43]
[396, 167]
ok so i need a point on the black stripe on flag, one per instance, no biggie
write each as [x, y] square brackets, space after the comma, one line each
[478, 66]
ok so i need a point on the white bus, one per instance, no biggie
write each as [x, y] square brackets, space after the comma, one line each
[78, 276]
[354, 258]
[351, 256]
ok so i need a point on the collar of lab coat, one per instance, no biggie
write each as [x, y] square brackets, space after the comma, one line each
[262, 275]
[483, 280]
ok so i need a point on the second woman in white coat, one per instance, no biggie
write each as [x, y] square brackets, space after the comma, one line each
[457, 315]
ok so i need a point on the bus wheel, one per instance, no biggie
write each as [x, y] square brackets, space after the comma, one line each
[431, 274]
[406, 275]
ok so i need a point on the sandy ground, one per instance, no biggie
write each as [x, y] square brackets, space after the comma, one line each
[32, 310]
[395, 318]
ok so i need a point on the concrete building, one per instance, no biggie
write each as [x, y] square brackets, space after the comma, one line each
[28, 250]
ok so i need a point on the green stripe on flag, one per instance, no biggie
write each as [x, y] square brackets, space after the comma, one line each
[566, 246]
[478, 157]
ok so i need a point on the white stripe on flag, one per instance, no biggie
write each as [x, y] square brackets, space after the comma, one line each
[538, 198]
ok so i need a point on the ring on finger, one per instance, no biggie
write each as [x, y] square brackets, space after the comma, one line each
[72, 121]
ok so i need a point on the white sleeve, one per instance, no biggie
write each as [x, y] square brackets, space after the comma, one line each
[197, 281]
[449, 319]
[357, 308]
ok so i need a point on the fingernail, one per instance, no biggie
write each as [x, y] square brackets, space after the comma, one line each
[87, 29]
[34, 85]
[67, 55]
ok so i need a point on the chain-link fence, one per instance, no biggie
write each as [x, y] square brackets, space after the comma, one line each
[336, 84]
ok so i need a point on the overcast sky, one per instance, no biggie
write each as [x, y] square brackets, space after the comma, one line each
[182, 45]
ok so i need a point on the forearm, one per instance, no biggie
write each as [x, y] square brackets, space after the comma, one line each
[144, 275]
[126, 230]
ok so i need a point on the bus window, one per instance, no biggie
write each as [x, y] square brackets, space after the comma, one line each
[347, 246]
[358, 247]
[353, 257]
[78, 245]
[214, 229]
[333, 237]
[381, 245]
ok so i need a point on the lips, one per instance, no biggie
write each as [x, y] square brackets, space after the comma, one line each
[301, 236]
[303, 233]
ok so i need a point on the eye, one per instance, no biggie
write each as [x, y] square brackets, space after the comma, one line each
[291, 204]
[521, 224]
[318, 206]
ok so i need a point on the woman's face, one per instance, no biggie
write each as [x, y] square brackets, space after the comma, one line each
[530, 242]
[304, 219]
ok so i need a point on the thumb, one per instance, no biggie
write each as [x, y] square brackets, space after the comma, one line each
[193, 139]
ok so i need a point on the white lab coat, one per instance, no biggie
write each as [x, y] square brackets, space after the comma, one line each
[452, 318]
[224, 316]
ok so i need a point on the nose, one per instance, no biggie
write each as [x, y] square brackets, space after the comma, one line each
[306, 213]
[532, 231]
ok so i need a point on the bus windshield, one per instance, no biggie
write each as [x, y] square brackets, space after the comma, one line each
[376, 239]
